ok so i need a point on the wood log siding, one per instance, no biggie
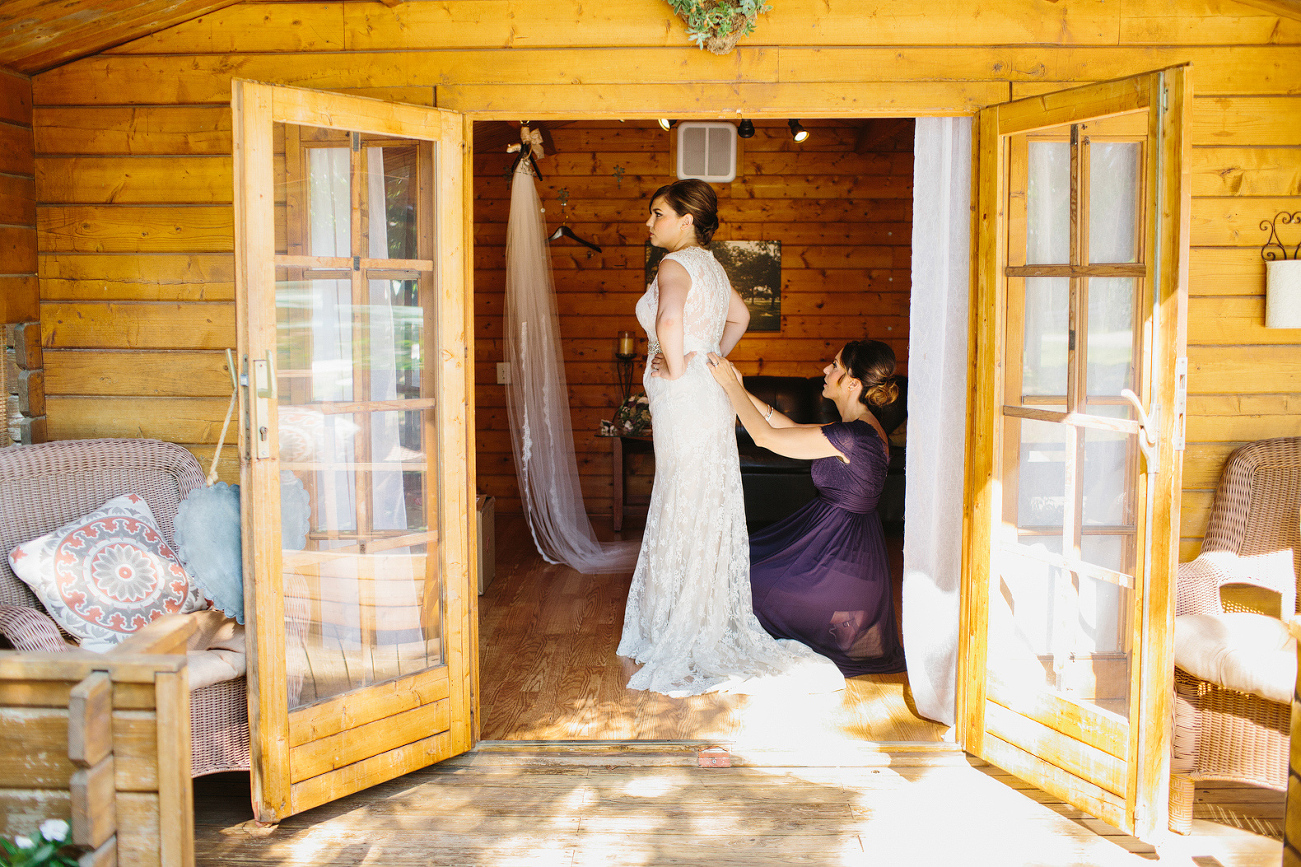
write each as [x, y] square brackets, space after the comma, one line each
[18, 285]
[166, 95]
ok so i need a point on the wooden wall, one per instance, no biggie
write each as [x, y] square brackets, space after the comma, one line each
[840, 203]
[133, 167]
[18, 288]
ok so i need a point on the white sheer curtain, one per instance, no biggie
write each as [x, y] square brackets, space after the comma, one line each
[333, 322]
[937, 411]
[537, 398]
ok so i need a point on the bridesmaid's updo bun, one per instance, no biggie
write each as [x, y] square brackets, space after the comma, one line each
[694, 197]
[872, 363]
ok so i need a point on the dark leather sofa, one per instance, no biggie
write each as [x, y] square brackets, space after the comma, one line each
[774, 485]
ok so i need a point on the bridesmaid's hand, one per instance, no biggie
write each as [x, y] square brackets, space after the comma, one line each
[725, 373]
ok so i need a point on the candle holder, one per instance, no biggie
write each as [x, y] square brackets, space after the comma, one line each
[1282, 273]
[624, 354]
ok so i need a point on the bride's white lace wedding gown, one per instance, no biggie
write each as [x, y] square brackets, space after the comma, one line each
[689, 618]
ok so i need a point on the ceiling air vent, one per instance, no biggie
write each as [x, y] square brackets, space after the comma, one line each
[707, 150]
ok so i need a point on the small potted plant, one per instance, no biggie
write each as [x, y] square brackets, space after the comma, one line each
[716, 25]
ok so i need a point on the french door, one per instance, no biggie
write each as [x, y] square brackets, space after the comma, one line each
[351, 295]
[1076, 442]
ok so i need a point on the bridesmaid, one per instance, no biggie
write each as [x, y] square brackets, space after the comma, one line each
[822, 575]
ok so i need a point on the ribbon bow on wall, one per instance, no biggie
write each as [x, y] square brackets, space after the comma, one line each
[530, 146]
[530, 137]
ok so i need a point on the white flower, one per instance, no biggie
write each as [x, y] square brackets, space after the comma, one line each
[54, 829]
[23, 842]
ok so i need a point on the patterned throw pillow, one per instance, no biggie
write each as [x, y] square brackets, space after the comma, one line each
[108, 574]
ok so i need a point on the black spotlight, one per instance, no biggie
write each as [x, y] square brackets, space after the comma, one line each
[666, 124]
[798, 132]
[745, 129]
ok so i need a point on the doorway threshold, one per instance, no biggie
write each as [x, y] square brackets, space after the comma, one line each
[686, 753]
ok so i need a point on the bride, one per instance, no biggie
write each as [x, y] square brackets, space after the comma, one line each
[689, 618]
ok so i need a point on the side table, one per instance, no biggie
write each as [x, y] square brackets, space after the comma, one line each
[620, 446]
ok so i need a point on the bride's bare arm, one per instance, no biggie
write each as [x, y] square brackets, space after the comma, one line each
[738, 320]
[774, 431]
[674, 284]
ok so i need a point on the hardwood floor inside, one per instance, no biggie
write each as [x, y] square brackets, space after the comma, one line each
[548, 672]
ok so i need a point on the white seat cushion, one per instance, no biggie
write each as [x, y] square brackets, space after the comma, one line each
[1250, 653]
[216, 650]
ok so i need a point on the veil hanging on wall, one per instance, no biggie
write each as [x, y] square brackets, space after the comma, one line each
[537, 397]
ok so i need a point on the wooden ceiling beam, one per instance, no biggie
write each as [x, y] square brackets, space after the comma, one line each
[36, 35]
[1286, 8]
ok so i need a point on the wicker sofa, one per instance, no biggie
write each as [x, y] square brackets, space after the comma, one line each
[775, 485]
[45, 486]
[1235, 667]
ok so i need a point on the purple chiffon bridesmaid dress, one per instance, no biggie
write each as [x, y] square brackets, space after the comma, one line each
[822, 575]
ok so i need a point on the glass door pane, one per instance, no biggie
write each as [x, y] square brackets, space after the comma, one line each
[358, 469]
[1062, 584]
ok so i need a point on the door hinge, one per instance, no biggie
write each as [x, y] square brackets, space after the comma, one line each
[356, 263]
[1165, 98]
[1181, 402]
[356, 140]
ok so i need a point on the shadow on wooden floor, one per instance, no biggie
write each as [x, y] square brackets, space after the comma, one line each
[649, 804]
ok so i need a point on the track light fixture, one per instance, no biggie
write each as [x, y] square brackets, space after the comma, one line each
[798, 132]
[666, 124]
[745, 129]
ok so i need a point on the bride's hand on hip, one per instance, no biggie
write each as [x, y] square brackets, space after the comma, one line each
[658, 367]
[725, 373]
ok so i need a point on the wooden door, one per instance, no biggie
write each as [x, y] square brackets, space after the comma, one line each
[1076, 442]
[351, 294]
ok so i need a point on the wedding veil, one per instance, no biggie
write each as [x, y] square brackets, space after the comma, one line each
[537, 398]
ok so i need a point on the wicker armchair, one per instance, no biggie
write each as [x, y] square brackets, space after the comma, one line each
[1232, 715]
[45, 486]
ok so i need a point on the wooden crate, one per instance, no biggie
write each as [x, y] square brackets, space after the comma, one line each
[103, 742]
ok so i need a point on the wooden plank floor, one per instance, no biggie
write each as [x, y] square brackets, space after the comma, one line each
[648, 804]
[548, 671]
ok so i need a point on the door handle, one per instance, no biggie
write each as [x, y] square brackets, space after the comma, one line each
[1147, 438]
[261, 385]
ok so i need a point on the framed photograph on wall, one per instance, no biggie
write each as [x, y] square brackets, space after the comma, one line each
[755, 270]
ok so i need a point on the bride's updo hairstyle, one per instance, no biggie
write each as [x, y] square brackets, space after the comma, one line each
[694, 197]
[871, 362]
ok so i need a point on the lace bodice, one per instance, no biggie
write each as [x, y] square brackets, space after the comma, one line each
[705, 313]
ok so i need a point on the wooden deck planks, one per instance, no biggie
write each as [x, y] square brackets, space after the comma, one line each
[647, 804]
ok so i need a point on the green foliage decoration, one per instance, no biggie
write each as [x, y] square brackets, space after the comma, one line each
[716, 25]
[50, 847]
